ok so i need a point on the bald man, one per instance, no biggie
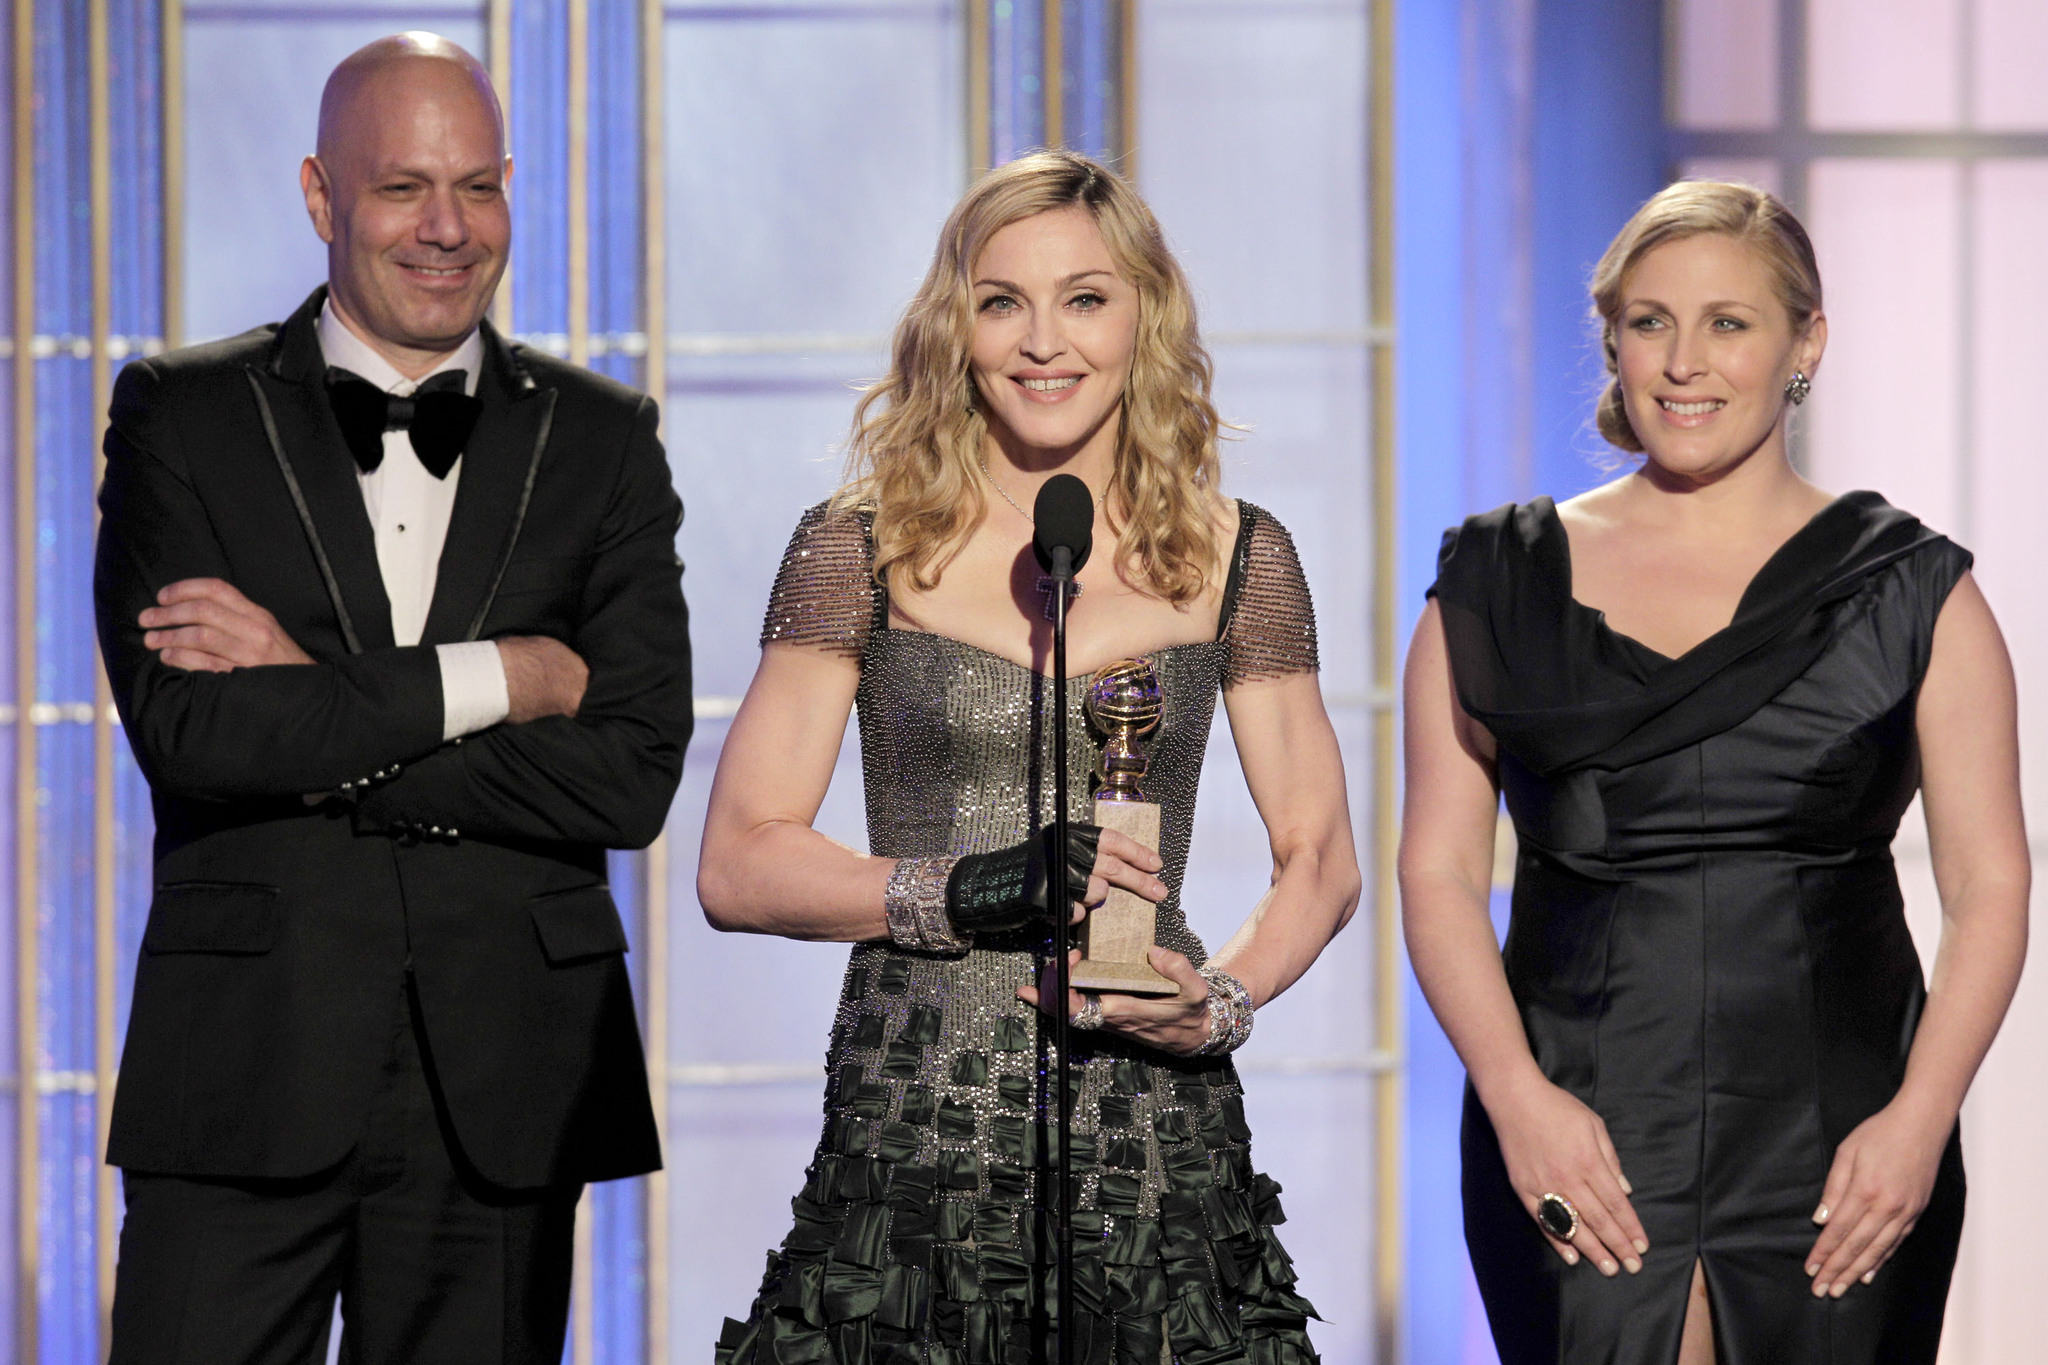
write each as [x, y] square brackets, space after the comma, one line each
[393, 616]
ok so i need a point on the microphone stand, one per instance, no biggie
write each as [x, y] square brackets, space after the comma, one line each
[1063, 1222]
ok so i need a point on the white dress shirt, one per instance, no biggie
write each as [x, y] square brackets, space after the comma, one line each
[409, 510]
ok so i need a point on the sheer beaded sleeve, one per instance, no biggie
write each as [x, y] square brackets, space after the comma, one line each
[1269, 622]
[825, 594]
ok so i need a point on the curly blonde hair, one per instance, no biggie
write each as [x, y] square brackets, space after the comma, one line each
[1756, 218]
[918, 434]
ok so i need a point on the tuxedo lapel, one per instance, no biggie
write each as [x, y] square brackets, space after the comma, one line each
[307, 443]
[499, 466]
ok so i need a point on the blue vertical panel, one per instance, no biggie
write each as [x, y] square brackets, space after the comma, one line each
[618, 1208]
[813, 150]
[1252, 141]
[537, 105]
[1598, 153]
[1091, 62]
[1429, 227]
[1016, 78]
[10, 1096]
[616, 245]
[66, 1287]
[135, 86]
[1497, 41]
[14, 1096]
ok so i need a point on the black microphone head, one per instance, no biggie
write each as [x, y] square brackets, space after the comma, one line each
[1065, 517]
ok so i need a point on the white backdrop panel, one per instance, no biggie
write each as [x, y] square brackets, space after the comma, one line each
[1884, 65]
[1252, 149]
[1886, 395]
[1725, 72]
[812, 152]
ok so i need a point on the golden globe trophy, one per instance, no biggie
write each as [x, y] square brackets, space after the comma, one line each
[1123, 702]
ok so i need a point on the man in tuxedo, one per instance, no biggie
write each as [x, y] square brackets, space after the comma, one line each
[393, 617]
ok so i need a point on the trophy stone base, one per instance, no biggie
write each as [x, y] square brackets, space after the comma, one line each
[1117, 933]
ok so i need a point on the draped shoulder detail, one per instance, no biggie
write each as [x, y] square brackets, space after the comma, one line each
[1269, 619]
[1560, 691]
[825, 593]
[1934, 571]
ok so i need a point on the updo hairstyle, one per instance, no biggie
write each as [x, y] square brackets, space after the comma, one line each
[1756, 218]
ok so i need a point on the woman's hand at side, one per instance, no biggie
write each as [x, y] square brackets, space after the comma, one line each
[1880, 1181]
[1966, 722]
[1550, 1141]
[1553, 1143]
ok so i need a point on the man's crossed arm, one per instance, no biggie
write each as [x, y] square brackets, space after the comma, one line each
[206, 625]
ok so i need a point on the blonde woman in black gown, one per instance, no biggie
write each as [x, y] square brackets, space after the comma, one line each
[1708, 692]
[1054, 333]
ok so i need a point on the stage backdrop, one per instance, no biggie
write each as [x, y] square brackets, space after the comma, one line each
[726, 203]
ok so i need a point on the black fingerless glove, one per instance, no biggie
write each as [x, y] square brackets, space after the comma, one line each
[990, 892]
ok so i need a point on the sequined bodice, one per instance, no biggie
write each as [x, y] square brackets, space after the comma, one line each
[958, 756]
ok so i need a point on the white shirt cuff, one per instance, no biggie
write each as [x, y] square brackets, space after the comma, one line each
[473, 693]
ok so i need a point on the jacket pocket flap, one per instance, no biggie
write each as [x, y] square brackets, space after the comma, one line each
[578, 924]
[212, 917]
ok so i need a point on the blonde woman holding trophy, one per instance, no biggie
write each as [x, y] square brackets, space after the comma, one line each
[1053, 335]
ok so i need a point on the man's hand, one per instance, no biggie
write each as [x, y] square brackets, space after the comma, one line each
[543, 677]
[205, 625]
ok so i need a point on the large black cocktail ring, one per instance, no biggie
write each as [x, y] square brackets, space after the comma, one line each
[1556, 1216]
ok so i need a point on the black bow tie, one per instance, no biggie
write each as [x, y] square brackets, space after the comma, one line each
[438, 416]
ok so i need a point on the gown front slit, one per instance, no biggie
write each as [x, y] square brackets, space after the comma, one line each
[1707, 942]
[917, 1236]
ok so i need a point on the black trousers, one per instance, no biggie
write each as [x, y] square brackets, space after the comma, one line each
[433, 1265]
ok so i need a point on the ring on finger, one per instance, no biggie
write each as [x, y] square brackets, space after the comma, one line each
[1556, 1216]
[1089, 1015]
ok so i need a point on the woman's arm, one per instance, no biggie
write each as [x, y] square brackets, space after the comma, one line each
[1289, 754]
[1288, 751]
[1551, 1142]
[1966, 718]
[763, 869]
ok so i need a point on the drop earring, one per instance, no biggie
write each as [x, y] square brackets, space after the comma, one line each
[1798, 387]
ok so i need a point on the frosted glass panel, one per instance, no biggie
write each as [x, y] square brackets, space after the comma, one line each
[1725, 60]
[2010, 476]
[1762, 172]
[1885, 402]
[2011, 89]
[1269, 100]
[813, 150]
[1885, 64]
[812, 154]
[1272, 100]
[1997, 1293]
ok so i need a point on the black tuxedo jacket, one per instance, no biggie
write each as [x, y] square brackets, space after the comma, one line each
[270, 975]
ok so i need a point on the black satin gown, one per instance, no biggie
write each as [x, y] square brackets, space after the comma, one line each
[1708, 944]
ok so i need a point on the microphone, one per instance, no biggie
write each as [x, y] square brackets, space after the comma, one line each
[1065, 518]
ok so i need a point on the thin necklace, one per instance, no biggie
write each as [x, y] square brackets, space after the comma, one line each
[1004, 493]
[1046, 586]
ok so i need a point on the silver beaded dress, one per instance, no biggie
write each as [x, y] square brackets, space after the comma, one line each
[917, 1236]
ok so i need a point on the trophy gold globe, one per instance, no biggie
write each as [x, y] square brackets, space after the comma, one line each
[1124, 702]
